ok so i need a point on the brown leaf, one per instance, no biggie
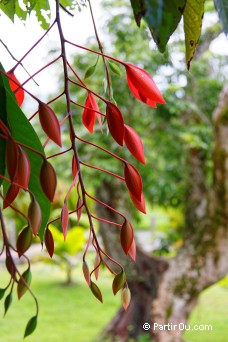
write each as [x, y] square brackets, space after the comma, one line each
[96, 291]
[49, 123]
[49, 242]
[118, 282]
[126, 236]
[24, 241]
[23, 169]
[35, 216]
[48, 180]
[11, 157]
[86, 272]
[97, 262]
[11, 195]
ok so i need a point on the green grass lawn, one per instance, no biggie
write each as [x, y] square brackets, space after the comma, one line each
[72, 314]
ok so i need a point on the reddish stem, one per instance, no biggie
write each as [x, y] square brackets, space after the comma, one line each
[97, 52]
[103, 170]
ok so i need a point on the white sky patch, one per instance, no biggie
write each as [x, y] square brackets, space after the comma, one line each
[219, 46]
[20, 37]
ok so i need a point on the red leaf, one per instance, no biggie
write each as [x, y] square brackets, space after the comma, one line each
[48, 179]
[11, 195]
[134, 144]
[19, 92]
[88, 116]
[139, 96]
[115, 123]
[126, 298]
[23, 169]
[11, 157]
[132, 250]
[133, 180]
[49, 123]
[64, 220]
[49, 242]
[24, 241]
[95, 107]
[140, 205]
[126, 236]
[35, 216]
[144, 84]
[86, 272]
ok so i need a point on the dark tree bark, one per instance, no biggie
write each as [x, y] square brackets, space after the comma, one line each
[166, 291]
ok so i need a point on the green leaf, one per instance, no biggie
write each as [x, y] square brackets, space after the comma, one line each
[21, 14]
[138, 8]
[21, 288]
[222, 8]
[118, 282]
[40, 7]
[115, 68]
[23, 132]
[9, 8]
[2, 293]
[89, 72]
[96, 291]
[162, 17]
[193, 15]
[31, 326]
[8, 302]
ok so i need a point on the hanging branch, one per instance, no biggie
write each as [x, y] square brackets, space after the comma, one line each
[25, 159]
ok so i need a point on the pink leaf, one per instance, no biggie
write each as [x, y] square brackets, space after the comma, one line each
[126, 298]
[97, 262]
[79, 209]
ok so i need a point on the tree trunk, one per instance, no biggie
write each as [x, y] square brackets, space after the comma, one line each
[165, 291]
